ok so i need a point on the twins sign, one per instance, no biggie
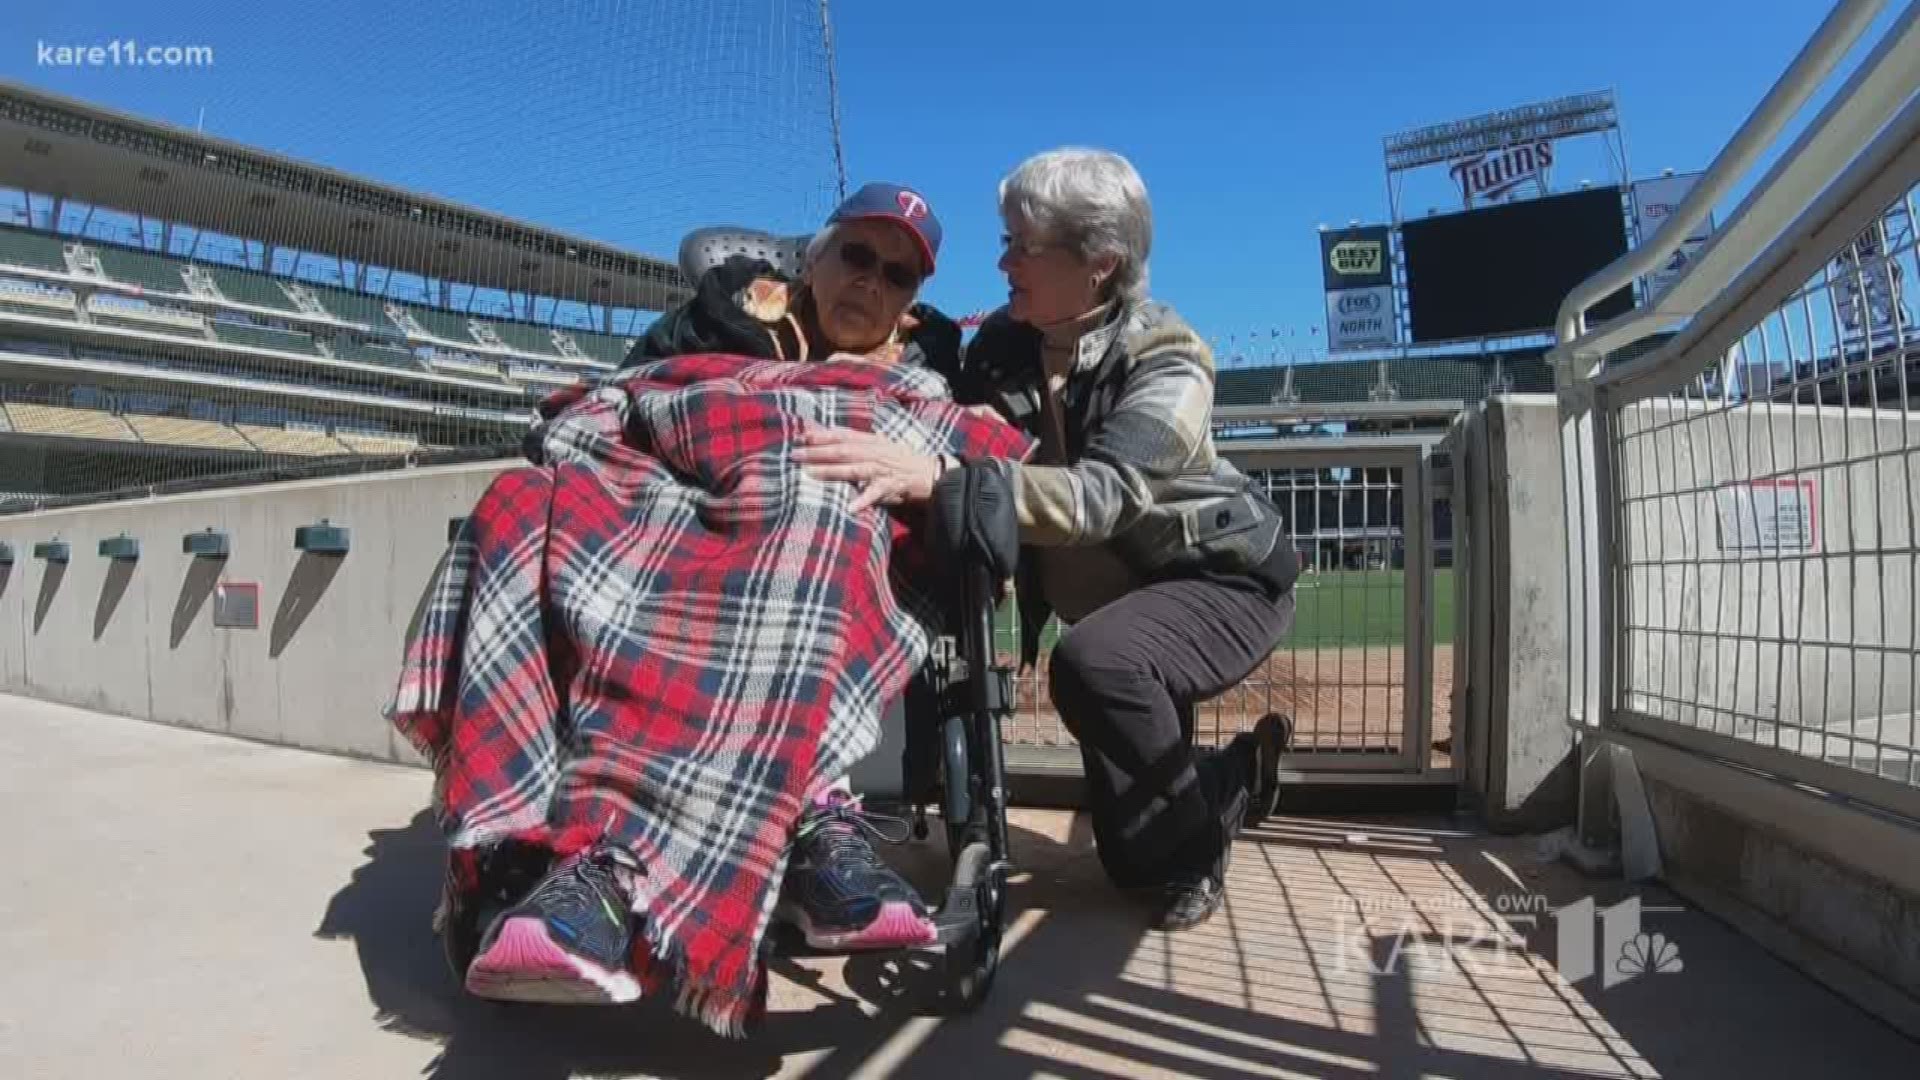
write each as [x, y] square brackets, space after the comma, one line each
[1492, 176]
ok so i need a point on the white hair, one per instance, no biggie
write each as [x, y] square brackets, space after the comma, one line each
[817, 246]
[1092, 201]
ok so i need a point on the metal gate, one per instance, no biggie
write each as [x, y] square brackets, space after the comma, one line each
[1358, 672]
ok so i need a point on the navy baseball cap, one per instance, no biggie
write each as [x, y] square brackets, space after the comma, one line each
[891, 202]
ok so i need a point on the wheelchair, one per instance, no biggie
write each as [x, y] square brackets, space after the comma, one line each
[955, 704]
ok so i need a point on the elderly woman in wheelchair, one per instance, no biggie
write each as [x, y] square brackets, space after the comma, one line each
[658, 546]
[853, 298]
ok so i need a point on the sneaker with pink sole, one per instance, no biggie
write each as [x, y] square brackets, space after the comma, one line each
[568, 942]
[840, 894]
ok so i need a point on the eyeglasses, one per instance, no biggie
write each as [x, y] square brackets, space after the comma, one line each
[861, 258]
[1031, 249]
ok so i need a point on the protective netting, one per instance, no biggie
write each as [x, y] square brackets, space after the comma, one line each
[242, 243]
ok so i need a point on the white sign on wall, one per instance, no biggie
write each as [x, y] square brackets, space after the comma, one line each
[1654, 201]
[1360, 318]
[1768, 516]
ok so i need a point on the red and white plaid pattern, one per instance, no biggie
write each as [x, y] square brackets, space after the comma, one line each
[664, 632]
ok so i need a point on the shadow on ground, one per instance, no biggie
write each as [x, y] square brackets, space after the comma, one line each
[821, 1009]
[1283, 982]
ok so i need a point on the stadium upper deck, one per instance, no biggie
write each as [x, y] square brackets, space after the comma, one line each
[127, 362]
[128, 358]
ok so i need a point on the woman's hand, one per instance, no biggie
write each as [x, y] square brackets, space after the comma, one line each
[888, 474]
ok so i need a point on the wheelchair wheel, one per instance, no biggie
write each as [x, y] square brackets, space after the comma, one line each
[972, 965]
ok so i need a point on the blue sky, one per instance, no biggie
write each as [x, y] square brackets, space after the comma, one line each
[1253, 122]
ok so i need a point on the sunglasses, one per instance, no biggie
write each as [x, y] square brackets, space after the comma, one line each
[861, 258]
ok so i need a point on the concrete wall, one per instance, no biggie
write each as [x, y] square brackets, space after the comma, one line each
[1515, 749]
[137, 638]
[1828, 888]
[1759, 643]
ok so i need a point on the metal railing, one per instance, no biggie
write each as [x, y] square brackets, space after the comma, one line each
[1744, 558]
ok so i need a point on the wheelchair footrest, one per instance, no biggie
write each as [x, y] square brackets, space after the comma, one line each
[958, 920]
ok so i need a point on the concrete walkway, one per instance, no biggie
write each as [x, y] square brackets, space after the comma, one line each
[187, 906]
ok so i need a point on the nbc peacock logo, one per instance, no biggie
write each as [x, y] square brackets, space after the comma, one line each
[1622, 950]
[1649, 954]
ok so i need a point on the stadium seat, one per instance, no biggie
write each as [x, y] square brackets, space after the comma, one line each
[34, 419]
[466, 367]
[603, 347]
[247, 287]
[141, 268]
[32, 298]
[366, 442]
[353, 307]
[542, 378]
[522, 337]
[20, 247]
[1246, 386]
[109, 309]
[391, 356]
[265, 337]
[175, 431]
[1437, 378]
[442, 324]
[1344, 380]
[274, 440]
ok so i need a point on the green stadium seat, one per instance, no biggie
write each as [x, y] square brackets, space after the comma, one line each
[353, 307]
[362, 352]
[1530, 374]
[442, 324]
[603, 347]
[265, 337]
[1247, 386]
[247, 287]
[141, 268]
[1440, 379]
[21, 247]
[1335, 381]
[522, 337]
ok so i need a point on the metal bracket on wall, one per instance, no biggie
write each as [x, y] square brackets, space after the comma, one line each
[122, 547]
[211, 544]
[54, 551]
[326, 538]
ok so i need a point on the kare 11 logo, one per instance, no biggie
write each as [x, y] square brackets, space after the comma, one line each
[1483, 936]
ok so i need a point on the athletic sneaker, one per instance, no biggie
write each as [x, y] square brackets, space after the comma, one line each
[568, 941]
[839, 892]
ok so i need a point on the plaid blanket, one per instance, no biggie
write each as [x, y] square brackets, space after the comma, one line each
[664, 633]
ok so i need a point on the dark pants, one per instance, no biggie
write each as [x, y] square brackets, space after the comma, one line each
[1122, 680]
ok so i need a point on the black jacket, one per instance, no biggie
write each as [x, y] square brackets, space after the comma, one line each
[713, 321]
[1141, 477]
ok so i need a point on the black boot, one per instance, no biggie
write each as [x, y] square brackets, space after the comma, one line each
[1271, 737]
[1192, 897]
